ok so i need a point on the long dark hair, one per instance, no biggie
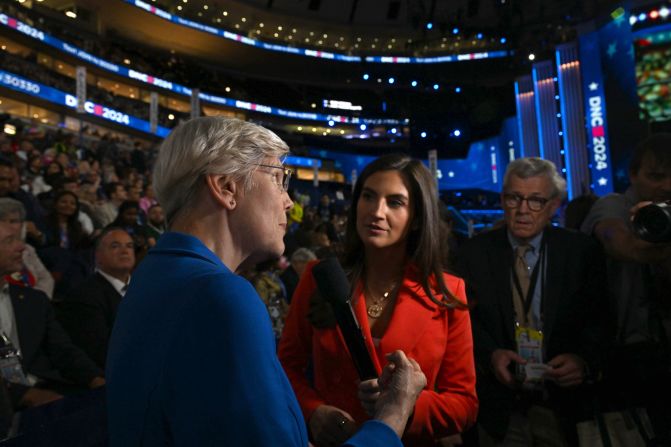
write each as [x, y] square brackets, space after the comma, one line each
[76, 234]
[422, 246]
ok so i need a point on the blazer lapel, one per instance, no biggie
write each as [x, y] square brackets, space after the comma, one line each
[552, 290]
[413, 310]
[500, 259]
[359, 307]
[28, 338]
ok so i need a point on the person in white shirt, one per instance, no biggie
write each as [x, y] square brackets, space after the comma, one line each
[88, 315]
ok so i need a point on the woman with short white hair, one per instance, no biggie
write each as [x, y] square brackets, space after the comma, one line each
[192, 355]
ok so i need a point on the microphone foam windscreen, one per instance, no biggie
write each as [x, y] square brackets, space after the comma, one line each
[331, 281]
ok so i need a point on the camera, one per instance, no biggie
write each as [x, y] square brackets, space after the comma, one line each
[652, 223]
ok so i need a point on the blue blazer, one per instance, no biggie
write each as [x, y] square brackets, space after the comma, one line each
[192, 360]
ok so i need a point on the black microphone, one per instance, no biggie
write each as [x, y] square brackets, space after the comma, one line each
[333, 285]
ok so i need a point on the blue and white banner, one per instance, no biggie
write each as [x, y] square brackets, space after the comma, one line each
[308, 52]
[595, 113]
[50, 94]
[183, 90]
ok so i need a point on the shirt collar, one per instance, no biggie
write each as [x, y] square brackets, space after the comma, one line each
[118, 285]
[535, 242]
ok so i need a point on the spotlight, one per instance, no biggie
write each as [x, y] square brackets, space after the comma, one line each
[456, 133]
[436, 86]
[363, 127]
[632, 20]
[414, 83]
[532, 56]
[663, 12]
[365, 76]
[457, 90]
[479, 36]
[455, 30]
[503, 40]
[429, 25]
[642, 17]
[331, 123]
[393, 130]
[423, 134]
[391, 80]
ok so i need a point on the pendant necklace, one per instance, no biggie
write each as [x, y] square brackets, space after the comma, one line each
[375, 309]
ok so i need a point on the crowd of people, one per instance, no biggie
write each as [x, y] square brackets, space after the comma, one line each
[527, 333]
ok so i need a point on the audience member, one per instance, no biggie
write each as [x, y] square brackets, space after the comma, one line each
[107, 211]
[270, 288]
[155, 225]
[639, 281]
[128, 219]
[48, 359]
[34, 273]
[292, 274]
[88, 314]
[34, 219]
[538, 312]
[148, 198]
[66, 250]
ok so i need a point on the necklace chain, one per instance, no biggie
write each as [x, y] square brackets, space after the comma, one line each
[375, 309]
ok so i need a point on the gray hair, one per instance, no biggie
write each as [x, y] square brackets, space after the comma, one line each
[10, 206]
[535, 167]
[209, 145]
[303, 255]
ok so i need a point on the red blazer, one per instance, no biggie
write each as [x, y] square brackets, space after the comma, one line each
[438, 339]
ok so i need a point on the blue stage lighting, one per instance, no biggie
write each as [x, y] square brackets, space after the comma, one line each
[365, 76]
[455, 30]
[331, 123]
[436, 86]
[503, 40]
[457, 133]
[429, 25]
[423, 134]
[393, 130]
[363, 127]
[391, 80]
[414, 83]
[457, 89]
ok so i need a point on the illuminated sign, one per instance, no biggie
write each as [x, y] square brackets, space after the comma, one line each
[50, 94]
[180, 89]
[596, 120]
[312, 53]
[341, 105]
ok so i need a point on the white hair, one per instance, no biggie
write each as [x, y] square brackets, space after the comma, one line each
[535, 167]
[209, 145]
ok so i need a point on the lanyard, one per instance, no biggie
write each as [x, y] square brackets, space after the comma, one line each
[526, 301]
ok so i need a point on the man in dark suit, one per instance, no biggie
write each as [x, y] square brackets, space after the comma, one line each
[89, 314]
[49, 362]
[536, 293]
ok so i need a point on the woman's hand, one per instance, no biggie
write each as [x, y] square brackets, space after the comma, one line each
[330, 426]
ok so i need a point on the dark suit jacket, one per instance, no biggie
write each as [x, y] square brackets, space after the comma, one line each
[574, 303]
[88, 316]
[47, 351]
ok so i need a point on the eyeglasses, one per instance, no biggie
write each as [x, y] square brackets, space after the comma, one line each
[283, 182]
[515, 200]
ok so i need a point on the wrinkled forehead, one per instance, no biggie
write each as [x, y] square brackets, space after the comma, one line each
[118, 236]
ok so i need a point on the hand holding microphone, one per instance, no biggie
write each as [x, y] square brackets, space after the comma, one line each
[399, 386]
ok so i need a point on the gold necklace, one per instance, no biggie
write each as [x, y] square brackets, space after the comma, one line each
[375, 309]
